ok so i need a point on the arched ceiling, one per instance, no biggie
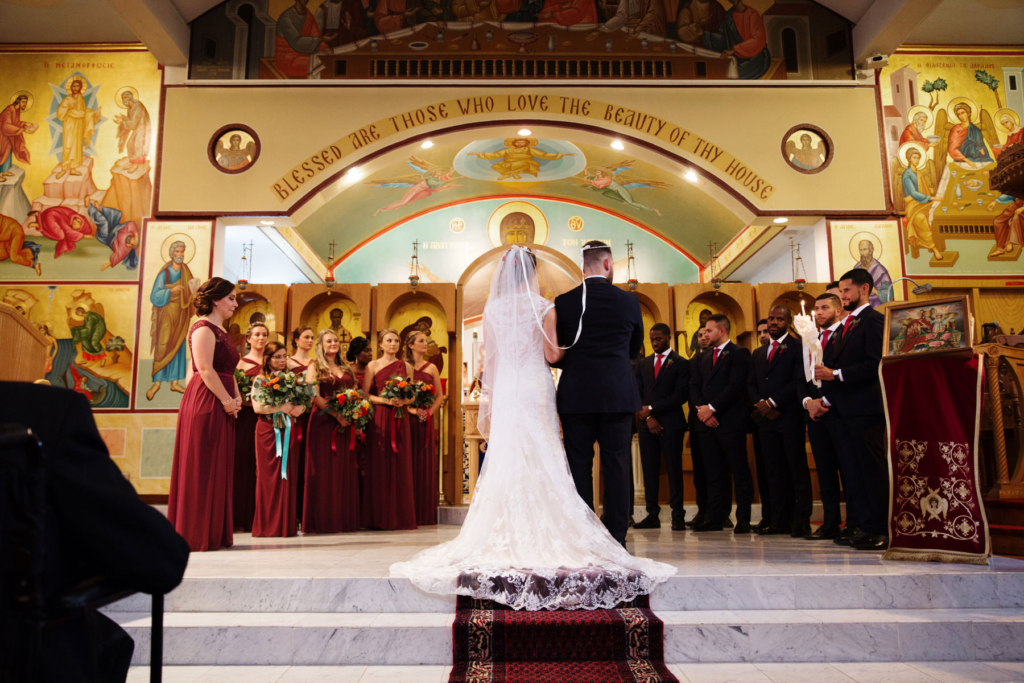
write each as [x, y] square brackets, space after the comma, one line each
[638, 185]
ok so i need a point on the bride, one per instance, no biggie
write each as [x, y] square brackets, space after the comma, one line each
[529, 541]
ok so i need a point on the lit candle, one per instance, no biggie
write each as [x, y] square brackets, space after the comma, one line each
[803, 310]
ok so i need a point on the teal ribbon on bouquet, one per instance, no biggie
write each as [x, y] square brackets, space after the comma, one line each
[283, 439]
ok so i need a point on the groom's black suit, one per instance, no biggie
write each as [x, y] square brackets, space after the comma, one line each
[597, 393]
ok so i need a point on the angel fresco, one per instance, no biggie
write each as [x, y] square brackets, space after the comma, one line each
[967, 132]
[808, 154]
[614, 184]
[428, 180]
[233, 156]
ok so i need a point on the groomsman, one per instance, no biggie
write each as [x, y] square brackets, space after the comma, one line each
[664, 382]
[823, 433]
[776, 373]
[700, 482]
[851, 384]
[763, 339]
[717, 390]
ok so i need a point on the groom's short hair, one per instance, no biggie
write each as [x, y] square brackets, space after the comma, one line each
[721, 321]
[594, 252]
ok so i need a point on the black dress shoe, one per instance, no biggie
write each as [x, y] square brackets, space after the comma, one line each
[697, 520]
[771, 531]
[679, 524]
[742, 528]
[650, 522]
[726, 523]
[800, 530]
[871, 543]
[761, 526]
[706, 526]
[848, 532]
[823, 533]
[850, 541]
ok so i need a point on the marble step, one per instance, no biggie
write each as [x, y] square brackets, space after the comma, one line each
[299, 638]
[911, 590]
[873, 672]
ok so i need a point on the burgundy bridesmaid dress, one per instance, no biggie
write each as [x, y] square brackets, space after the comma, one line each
[360, 454]
[245, 460]
[275, 494]
[389, 478]
[199, 505]
[424, 460]
[331, 502]
[302, 425]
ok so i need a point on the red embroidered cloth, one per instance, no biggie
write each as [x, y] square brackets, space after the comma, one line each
[933, 408]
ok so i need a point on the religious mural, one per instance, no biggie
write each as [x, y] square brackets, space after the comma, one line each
[338, 314]
[421, 314]
[176, 262]
[873, 246]
[946, 120]
[76, 142]
[91, 330]
[739, 39]
[579, 173]
[250, 312]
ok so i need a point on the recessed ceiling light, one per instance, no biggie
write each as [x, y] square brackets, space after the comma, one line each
[524, 131]
[691, 176]
[617, 144]
[266, 222]
[781, 220]
[427, 144]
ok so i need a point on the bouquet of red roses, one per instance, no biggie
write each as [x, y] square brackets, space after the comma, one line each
[400, 388]
[425, 396]
[353, 406]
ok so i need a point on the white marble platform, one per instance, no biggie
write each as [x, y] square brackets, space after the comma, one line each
[327, 600]
[890, 672]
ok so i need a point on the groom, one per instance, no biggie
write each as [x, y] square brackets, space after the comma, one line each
[597, 393]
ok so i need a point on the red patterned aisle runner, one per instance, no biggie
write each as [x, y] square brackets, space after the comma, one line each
[495, 643]
[933, 406]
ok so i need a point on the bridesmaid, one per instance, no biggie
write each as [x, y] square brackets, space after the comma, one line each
[302, 344]
[276, 473]
[359, 355]
[389, 504]
[199, 505]
[256, 338]
[421, 432]
[331, 502]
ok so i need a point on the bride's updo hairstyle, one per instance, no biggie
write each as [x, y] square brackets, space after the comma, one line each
[210, 292]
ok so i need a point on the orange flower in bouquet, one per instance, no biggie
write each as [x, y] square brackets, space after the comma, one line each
[400, 388]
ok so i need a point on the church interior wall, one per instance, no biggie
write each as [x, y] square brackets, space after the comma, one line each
[178, 195]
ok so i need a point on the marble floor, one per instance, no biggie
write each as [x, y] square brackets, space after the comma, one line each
[743, 608]
[912, 672]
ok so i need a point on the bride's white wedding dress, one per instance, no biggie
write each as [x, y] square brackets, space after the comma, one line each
[529, 541]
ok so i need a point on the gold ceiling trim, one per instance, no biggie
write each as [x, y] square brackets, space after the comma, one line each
[72, 47]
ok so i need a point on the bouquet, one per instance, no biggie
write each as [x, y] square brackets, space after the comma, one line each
[352, 405]
[400, 388]
[244, 383]
[280, 388]
[425, 395]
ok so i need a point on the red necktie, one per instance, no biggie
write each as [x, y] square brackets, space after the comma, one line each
[771, 352]
[825, 334]
[848, 324]
[714, 358]
[657, 365]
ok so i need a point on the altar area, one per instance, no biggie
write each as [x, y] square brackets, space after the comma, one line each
[748, 608]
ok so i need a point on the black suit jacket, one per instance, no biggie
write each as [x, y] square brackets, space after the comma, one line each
[95, 525]
[858, 354]
[780, 381]
[597, 375]
[666, 394]
[723, 386]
